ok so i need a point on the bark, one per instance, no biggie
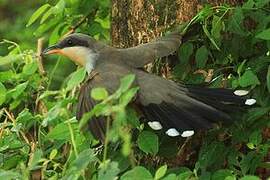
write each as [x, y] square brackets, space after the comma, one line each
[138, 21]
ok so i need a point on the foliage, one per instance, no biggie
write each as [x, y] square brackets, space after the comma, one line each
[40, 137]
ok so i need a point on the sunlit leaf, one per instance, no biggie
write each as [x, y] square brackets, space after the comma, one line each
[126, 82]
[18, 90]
[53, 154]
[76, 78]
[160, 172]
[37, 14]
[3, 92]
[30, 68]
[99, 93]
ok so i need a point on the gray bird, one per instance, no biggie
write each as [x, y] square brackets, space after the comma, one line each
[177, 109]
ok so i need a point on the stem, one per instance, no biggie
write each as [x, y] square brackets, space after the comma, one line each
[53, 71]
[106, 139]
[72, 139]
[182, 148]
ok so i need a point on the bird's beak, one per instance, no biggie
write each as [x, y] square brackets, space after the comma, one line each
[55, 49]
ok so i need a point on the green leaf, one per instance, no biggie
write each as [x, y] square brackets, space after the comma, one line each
[235, 22]
[18, 90]
[268, 79]
[47, 15]
[185, 52]
[248, 4]
[201, 57]
[7, 75]
[217, 26]
[99, 93]
[55, 35]
[126, 82]
[250, 162]
[248, 79]
[160, 172]
[127, 96]
[185, 173]
[37, 14]
[256, 113]
[53, 154]
[171, 177]
[3, 92]
[249, 177]
[9, 59]
[26, 119]
[256, 137]
[59, 132]
[265, 35]
[148, 142]
[9, 175]
[83, 159]
[30, 68]
[108, 170]
[79, 164]
[76, 78]
[137, 173]
[261, 3]
[36, 157]
[222, 174]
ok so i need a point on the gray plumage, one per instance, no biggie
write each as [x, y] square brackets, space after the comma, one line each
[176, 108]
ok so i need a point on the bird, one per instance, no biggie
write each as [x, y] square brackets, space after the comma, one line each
[179, 110]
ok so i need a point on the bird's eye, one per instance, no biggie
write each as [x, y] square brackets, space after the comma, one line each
[69, 42]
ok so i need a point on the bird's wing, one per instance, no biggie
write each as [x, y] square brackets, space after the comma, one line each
[108, 76]
[174, 108]
[181, 110]
[142, 54]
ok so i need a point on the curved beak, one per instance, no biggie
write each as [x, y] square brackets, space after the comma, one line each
[55, 49]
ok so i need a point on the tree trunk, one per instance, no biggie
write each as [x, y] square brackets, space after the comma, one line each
[138, 21]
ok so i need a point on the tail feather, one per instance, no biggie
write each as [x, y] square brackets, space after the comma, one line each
[194, 108]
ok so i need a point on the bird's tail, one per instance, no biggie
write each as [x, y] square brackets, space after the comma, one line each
[196, 108]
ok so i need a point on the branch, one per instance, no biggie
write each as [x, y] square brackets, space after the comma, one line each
[39, 57]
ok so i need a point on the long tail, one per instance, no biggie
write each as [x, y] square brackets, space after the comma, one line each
[195, 108]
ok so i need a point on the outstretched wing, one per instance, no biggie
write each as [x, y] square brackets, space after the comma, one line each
[142, 54]
[108, 76]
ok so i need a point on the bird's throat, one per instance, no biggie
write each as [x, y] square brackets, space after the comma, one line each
[82, 56]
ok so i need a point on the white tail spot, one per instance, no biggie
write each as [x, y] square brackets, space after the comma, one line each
[241, 92]
[250, 102]
[187, 133]
[155, 125]
[172, 132]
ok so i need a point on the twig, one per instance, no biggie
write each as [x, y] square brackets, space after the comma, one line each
[76, 26]
[39, 57]
[11, 117]
[182, 148]
[3, 127]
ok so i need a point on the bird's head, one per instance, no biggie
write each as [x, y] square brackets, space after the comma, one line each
[80, 48]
